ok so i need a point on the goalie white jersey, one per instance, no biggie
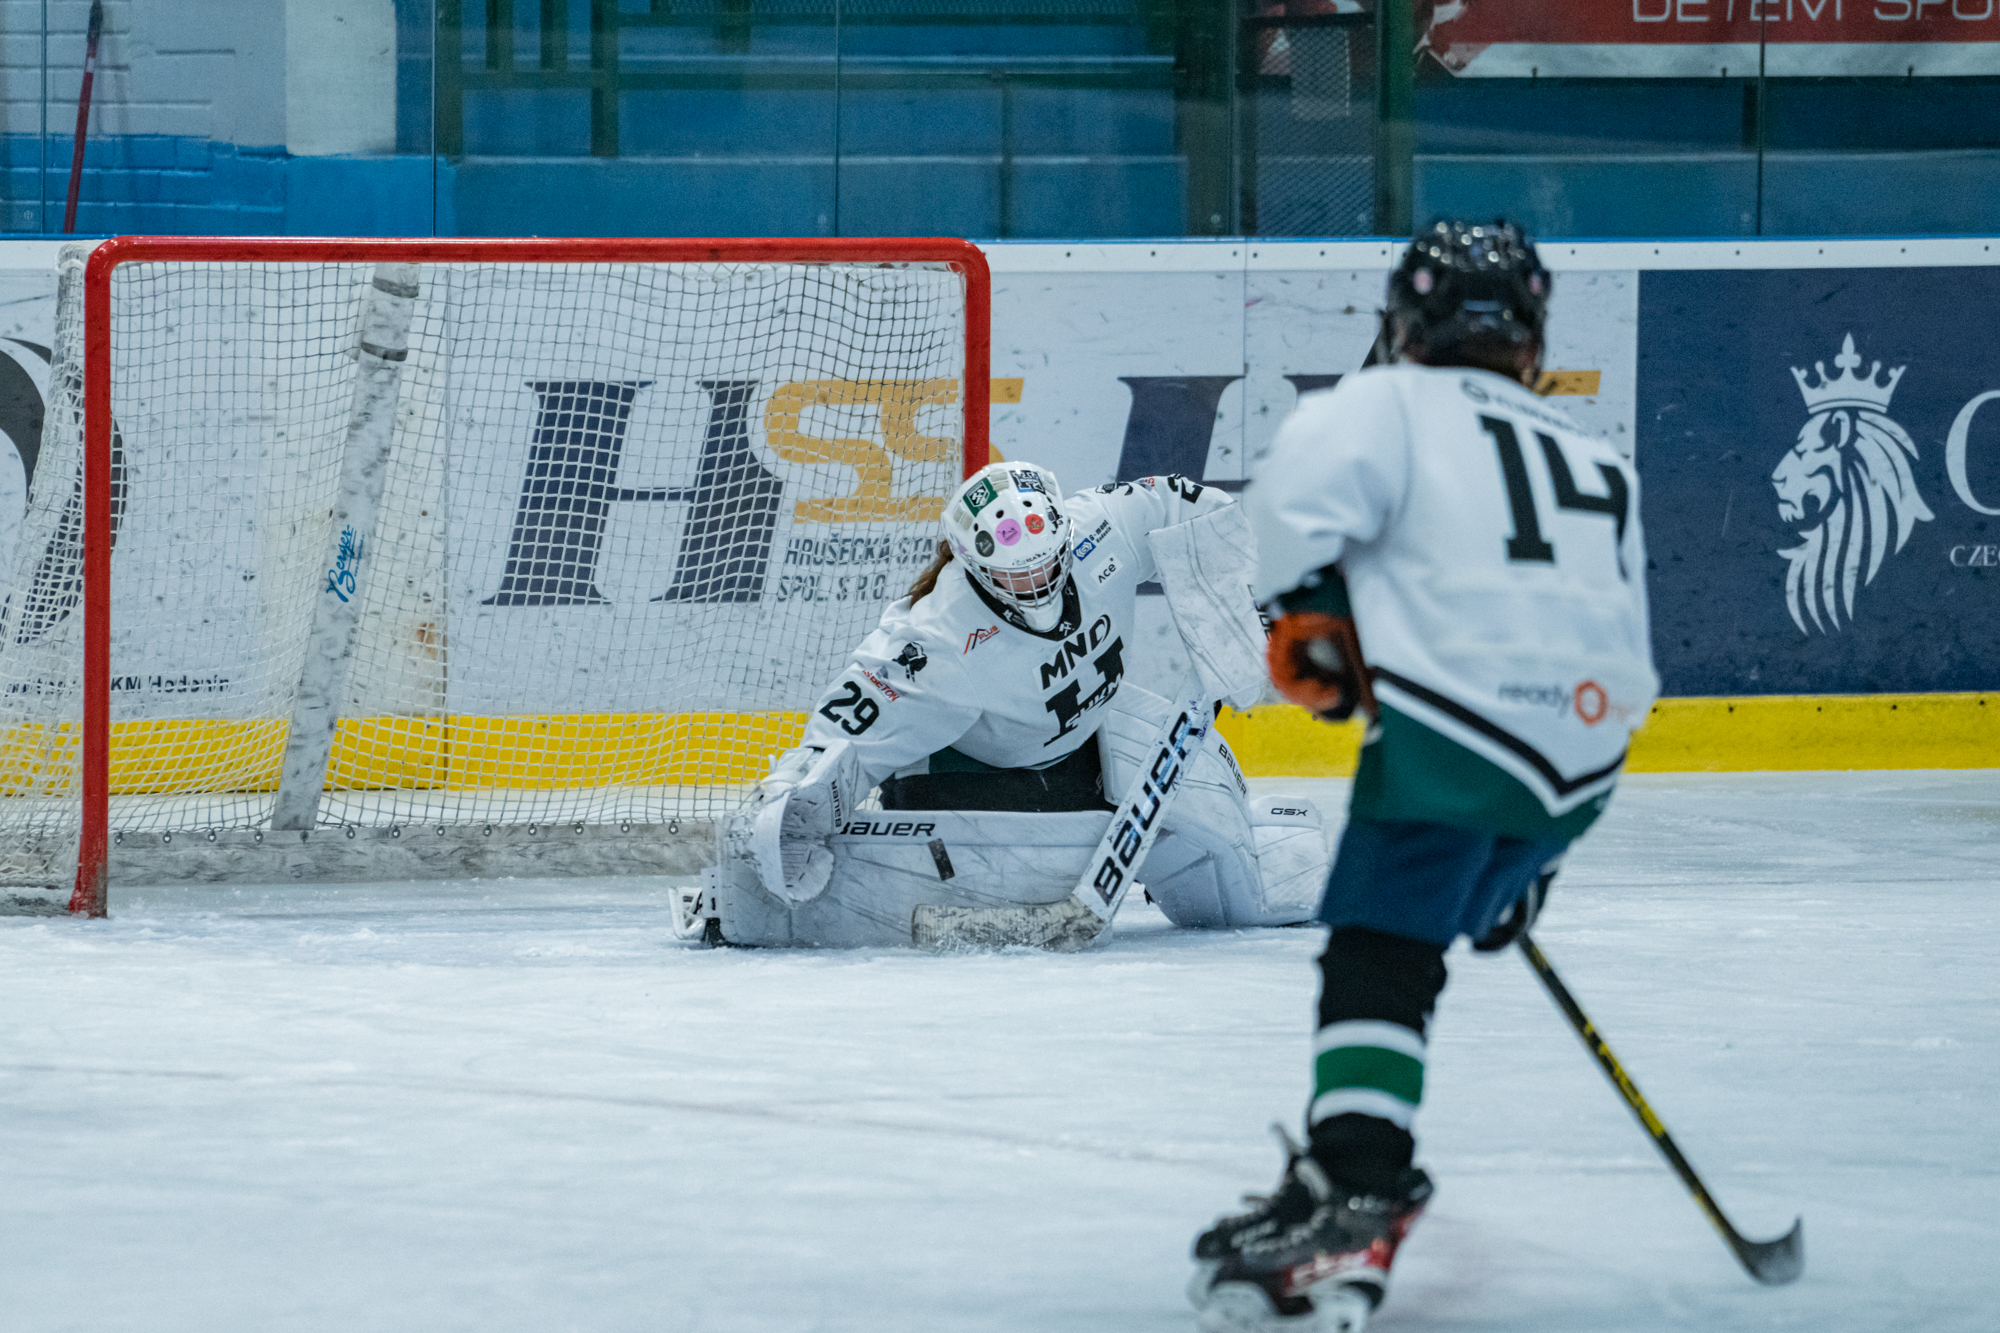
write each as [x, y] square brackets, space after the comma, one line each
[1497, 574]
[962, 679]
[962, 669]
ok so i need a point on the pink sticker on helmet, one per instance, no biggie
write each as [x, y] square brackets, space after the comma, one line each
[1008, 531]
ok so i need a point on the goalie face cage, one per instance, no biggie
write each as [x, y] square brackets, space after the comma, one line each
[396, 538]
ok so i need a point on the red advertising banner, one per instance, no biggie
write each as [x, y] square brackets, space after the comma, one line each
[1654, 39]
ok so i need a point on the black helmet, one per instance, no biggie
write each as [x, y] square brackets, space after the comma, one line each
[1476, 290]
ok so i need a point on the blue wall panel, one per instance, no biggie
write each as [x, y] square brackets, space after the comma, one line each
[1882, 194]
[1681, 195]
[634, 197]
[1111, 173]
[919, 197]
[358, 196]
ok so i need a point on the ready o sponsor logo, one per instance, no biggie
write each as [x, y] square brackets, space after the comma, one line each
[1536, 696]
[1588, 700]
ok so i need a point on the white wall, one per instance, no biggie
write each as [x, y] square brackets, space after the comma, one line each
[209, 69]
[340, 76]
[318, 76]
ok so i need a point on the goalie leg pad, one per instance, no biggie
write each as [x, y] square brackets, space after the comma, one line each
[1207, 870]
[889, 867]
[742, 911]
[1293, 857]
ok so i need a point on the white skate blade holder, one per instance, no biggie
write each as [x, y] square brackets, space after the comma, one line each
[1239, 1307]
[1084, 918]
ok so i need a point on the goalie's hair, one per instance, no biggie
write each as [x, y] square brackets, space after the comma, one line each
[926, 582]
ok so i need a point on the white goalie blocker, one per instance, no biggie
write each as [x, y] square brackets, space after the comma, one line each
[811, 866]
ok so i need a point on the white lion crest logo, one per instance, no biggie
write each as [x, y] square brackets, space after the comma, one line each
[1844, 488]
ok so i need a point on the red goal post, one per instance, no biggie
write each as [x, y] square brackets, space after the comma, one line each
[100, 352]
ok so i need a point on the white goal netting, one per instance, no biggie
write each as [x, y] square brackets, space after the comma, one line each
[634, 515]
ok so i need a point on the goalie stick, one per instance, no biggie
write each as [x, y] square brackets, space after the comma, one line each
[1773, 1262]
[1136, 823]
[1083, 918]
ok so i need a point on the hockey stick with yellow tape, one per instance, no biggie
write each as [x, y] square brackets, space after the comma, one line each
[1772, 1262]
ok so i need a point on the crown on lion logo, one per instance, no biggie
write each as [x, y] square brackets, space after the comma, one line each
[1848, 389]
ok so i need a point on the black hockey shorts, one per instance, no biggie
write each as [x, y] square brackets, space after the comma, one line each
[1074, 782]
[1429, 882]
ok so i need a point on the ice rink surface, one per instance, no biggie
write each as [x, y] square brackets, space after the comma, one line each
[526, 1105]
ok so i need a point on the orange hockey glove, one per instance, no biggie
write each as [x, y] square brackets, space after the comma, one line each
[1315, 661]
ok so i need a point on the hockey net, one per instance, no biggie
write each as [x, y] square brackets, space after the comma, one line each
[377, 557]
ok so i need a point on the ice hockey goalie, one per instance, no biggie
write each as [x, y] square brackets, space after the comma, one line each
[972, 750]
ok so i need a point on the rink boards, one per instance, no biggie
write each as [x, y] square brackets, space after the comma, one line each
[1821, 526]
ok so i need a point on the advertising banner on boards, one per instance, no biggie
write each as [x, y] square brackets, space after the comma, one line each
[1818, 522]
[1706, 39]
[610, 490]
[1123, 361]
[1820, 456]
[27, 328]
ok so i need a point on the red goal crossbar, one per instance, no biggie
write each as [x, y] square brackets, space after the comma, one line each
[88, 896]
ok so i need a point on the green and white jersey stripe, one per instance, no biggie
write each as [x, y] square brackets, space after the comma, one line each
[1370, 1068]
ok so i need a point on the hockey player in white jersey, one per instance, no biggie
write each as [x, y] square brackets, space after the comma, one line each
[1447, 552]
[991, 706]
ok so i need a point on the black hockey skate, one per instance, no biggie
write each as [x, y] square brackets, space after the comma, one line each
[1312, 1256]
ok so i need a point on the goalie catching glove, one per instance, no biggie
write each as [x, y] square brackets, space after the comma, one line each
[1316, 662]
[798, 808]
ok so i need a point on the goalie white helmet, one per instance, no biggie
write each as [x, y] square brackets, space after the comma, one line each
[1005, 522]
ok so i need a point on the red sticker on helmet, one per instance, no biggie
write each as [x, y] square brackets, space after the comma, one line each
[1034, 522]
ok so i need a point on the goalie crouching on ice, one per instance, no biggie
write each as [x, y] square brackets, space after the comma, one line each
[990, 708]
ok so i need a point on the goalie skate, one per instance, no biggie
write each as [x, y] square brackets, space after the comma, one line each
[1312, 1256]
